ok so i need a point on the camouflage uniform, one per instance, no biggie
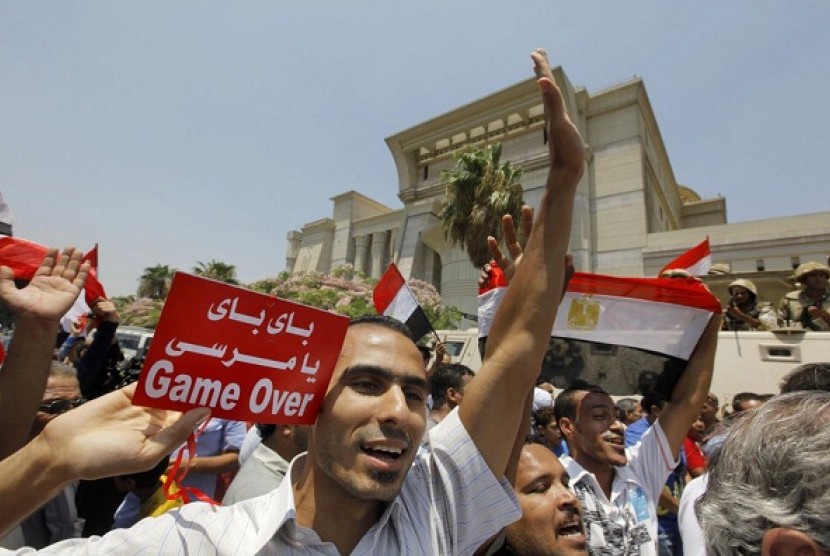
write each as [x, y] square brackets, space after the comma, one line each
[793, 305]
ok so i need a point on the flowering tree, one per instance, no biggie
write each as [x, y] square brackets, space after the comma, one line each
[343, 291]
[352, 296]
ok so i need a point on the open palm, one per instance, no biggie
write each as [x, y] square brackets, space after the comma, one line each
[52, 290]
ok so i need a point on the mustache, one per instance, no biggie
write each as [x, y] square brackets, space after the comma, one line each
[374, 433]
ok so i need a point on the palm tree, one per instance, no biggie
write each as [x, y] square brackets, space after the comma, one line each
[479, 191]
[217, 270]
[155, 282]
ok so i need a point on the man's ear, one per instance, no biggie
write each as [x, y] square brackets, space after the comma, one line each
[453, 395]
[788, 542]
[566, 426]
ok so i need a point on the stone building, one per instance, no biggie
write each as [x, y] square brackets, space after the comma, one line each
[631, 215]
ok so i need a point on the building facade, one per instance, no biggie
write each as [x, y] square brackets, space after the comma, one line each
[631, 215]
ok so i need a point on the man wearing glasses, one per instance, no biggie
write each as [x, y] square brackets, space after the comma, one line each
[63, 392]
[57, 519]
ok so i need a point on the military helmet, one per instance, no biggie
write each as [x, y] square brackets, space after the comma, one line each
[744, 283]
[720, 268]
[675, 273]
[809, 267]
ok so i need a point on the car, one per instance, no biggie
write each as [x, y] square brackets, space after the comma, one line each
[134, 340]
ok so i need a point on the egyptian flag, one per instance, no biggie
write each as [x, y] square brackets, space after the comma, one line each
[24, 258]
[628, 335]
[663, 315]
[393, 298]
[696, 261]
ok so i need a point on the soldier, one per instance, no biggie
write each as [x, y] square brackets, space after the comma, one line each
[809, 306]
[744, 312]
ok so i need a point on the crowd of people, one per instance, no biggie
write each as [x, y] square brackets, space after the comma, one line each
[412, 454]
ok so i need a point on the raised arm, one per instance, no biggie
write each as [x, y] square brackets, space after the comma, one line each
[92, 366]
[37, 308]
[690, 392]
[491, 411]
[102, 438]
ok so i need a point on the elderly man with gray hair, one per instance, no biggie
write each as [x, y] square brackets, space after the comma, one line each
[770, 490]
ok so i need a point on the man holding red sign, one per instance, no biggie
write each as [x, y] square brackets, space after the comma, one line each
[360, 487]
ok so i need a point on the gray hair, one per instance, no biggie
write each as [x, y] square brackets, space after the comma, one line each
[625, 406]
[773, 471]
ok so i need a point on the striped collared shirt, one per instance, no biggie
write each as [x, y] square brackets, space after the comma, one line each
[450, 503]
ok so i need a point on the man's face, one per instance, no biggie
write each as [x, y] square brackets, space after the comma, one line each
[634, 415]
[551, 523]
[596, 437]
[741, 296]
[57, 388]
[816, 280]
[696, 429]
[374, 414]
[709, 411]
[551, 434]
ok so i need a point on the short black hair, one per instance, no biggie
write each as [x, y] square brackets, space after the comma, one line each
[810, 376]
[445, 376]
[742, 397]
[387, 322]
[544, 416]
[565, 404]
[651, 399]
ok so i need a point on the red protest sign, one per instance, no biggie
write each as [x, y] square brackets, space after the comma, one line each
[246, 355]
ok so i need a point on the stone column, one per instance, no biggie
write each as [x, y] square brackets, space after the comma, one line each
[360, 244]
[378, 253]
[294, 240]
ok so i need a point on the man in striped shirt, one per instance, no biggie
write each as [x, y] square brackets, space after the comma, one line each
[360, 488]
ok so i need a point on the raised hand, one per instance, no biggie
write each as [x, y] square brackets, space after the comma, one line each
[53, 289]
[515, 248]
[111, 436]
[567, 152]
[102, 438]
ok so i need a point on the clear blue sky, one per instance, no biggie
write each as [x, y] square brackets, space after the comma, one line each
[177, 132]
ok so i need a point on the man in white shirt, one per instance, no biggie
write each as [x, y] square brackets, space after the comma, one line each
[357, 490]
[619, 487]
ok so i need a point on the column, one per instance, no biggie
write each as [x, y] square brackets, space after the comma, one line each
[378, 253]
[360, 244]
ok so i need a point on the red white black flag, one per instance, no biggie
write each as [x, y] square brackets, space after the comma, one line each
[393, 298]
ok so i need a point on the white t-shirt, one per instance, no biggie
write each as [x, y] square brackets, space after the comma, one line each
[690, 532]
[629, 518]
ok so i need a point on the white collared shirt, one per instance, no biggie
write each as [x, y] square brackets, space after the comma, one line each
[450, 503]
[630, 516]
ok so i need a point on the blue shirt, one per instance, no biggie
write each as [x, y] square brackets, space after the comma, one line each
[635, 431]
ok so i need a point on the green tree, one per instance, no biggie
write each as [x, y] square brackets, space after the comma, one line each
[155, 282]
[480, 189]
[142, 311]
[217, 270]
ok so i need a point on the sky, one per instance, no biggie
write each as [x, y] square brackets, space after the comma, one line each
[173, 132]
